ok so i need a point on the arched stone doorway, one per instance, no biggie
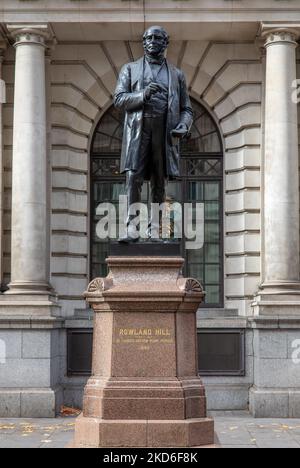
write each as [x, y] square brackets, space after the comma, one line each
[202, 181]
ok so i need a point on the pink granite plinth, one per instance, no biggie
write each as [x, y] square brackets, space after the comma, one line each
[145, 390]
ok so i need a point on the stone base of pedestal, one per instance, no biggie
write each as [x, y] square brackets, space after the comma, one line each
[145, 390]
[29, 360]
[276, 378]
[139, 398]
[96, 433]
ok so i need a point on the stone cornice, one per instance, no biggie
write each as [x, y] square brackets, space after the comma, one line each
[95, 11]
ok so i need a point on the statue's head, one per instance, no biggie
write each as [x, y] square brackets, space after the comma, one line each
[155, 40]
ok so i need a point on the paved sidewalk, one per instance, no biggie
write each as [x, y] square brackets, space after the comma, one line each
[233, 430]
[238, 429]
[36, 433]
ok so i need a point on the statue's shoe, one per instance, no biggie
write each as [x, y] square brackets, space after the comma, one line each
[155, 240]
[128, 240]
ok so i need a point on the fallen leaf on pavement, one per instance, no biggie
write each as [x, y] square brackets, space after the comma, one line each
[66, 411]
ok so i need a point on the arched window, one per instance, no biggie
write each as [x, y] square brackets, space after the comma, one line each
[201, 181]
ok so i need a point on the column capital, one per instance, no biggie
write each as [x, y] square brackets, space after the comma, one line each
[38, 34]
[274, 33]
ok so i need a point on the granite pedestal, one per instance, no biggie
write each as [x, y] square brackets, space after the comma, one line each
[145, 390]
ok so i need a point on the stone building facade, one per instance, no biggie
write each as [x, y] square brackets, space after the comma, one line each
[59, 153]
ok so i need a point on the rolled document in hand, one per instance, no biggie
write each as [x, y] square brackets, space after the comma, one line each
[178, 133]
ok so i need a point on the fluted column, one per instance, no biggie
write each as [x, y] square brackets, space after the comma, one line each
[2, 100]
[29, 272]
[281, 174]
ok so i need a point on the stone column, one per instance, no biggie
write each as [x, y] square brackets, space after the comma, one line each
[2, 100]
[276, 320]
[281, 174]
[29, 272]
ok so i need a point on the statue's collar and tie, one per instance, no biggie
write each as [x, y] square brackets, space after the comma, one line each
[155, 60]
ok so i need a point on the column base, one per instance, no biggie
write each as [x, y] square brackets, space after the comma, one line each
[280, 288]
[29, 299]
[97, 433]
[29, 288]
[28, 306]
[277, 298]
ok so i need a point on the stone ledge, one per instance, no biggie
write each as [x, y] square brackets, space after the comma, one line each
[79, 323]
[222, 322]
[223, 396]
[30, 402]
[275, 403]
[30, 322]
[205, 313]
[275, 322]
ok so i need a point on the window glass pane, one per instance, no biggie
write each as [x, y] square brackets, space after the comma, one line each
[101, 142]
[211, 143]
[99, 270]
[195, 256]
[212, 191]
[196, 271]
[174, 191]
[212, 253]
[212, 274]
[196, 191]
[108, 136]
[102, 192]
[99, 251]
[212, 231]
[106, 167]
[212, 295]
[117, 190]
[211, 210]
[203, 135]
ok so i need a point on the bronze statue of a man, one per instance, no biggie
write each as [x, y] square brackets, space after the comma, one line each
[158, 112]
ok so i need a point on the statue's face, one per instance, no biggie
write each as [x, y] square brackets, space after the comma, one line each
[155, 41]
